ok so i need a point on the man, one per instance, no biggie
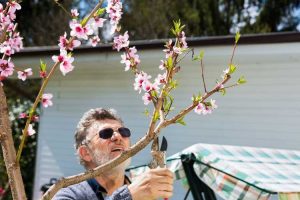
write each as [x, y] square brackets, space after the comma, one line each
[101, 136]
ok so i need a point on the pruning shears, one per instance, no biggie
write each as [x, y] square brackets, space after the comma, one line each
[159, 153]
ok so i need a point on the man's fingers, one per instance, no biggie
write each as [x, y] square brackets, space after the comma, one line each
[162, 172]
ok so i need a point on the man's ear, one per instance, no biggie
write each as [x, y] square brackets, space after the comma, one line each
[84, 153]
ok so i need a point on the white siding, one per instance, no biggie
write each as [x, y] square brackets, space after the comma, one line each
[264, 112]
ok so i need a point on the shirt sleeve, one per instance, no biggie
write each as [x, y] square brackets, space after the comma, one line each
[121, 193]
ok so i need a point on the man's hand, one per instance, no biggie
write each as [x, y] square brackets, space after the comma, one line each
[153, 184]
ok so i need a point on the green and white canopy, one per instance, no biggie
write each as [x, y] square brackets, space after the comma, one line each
[236, 172]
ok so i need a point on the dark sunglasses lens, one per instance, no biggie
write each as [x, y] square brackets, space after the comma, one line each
[106, 133]
[125, 132]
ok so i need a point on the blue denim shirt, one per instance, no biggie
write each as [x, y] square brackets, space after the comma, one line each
[84, 191]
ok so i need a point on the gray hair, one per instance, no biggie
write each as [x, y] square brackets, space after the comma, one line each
[88, 119]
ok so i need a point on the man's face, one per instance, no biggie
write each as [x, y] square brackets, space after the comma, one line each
[104, 150]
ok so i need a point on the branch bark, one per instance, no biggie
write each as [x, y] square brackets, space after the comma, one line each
[9, 152]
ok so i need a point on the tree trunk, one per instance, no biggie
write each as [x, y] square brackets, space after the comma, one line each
[9, 152]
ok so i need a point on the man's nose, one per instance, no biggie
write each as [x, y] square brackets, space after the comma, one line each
[116, 136]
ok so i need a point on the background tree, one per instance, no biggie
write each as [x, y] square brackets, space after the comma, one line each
[41, 22]
[149, 19]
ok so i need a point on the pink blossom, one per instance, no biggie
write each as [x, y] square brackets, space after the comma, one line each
[220, 86]
[146, 98]
[11, 27]
[30, 130]
[65, 62]
[16, 42]
[2, 191]
[168, 50]
[161, 78]
[148, 86]
[121, 41]
[11, 14]
[182, 40]
[4, 20]
[2, 78]
[213, 104]
[22, 115]
[95, 40]
[162, 65]
[35, 118]
[46, 100]
[114, 10]
[66, 66]
[74, 13]
[126, 61]
[24, 74]
[97, 22]
[226, 71]
[207, 110]
[6, 49]
[177, 50]
[139, 79]
[43, 74]
[6, 68]
[130, 59]
[64, 43]
[80, 32]
[199, 108]
[14, 6]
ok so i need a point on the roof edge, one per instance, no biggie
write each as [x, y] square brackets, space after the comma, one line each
[266, 38]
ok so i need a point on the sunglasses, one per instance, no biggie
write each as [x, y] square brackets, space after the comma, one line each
[107, 133]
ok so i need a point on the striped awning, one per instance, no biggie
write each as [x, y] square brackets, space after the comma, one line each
[236, 172]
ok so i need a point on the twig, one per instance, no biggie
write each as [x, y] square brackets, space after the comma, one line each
[63, 8]
[190, 50]
[202, 70]
[191, 107]
[233, 51]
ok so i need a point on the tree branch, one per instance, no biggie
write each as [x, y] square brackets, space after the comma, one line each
[141, 144]
[9, 152]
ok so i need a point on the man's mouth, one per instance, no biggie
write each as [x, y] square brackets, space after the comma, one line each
[117, 149]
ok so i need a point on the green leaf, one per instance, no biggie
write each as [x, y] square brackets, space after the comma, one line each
[201, 55]
[84, 21]
[173, 31]
[153, 93]
[100, 11]
[168, 101]
[197, 98]
[170, 63]
[180, 121]
[223, 91]
[146, 112]
[232, 68]
[156, 116]
[242, 80]
[237, 36]
[193, 98]
[196, 58]
[43, 66]
[31, 112]
[173, 84]
[176, 30]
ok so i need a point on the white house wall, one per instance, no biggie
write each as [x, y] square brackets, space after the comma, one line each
[264, 112]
